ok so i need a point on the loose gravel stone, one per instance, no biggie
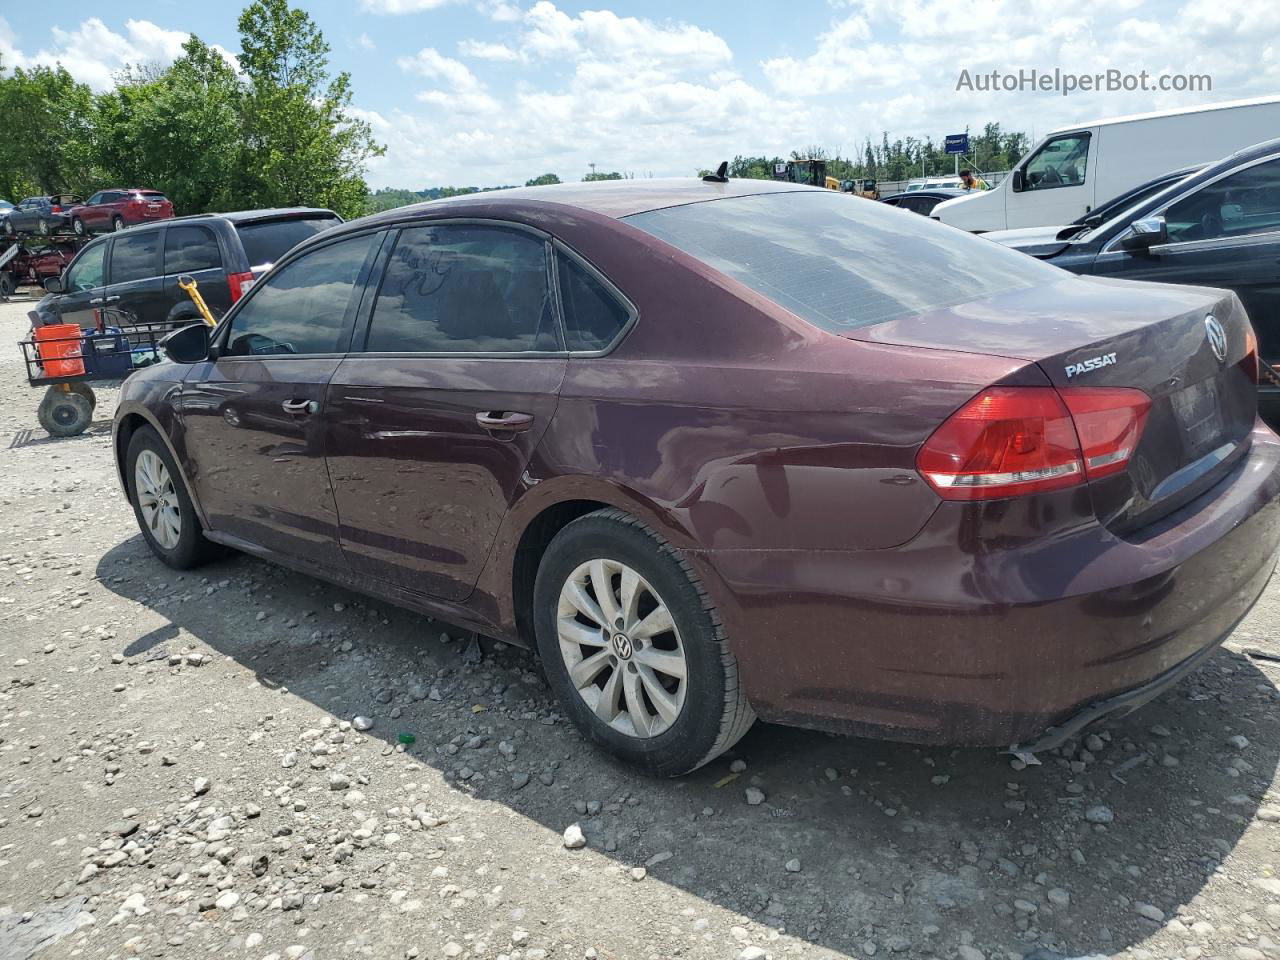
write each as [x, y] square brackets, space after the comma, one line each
[574, 839]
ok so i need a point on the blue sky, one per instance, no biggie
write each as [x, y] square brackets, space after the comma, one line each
[496, 91]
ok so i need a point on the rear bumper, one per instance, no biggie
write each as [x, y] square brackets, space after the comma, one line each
[972, 634]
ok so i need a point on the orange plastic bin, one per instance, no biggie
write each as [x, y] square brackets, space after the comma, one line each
[59, 348]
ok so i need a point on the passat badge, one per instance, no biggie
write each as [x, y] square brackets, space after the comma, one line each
[1093, 363]
[1216, 336]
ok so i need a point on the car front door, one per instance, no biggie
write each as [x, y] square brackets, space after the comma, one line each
[433, 418]
[1225, 233]
[83, 287]
[1056, 187]
[90, 213]
[253, 416]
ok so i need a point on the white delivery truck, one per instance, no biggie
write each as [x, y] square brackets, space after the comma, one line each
[1074, 168]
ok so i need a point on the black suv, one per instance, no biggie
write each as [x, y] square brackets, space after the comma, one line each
[136, 271]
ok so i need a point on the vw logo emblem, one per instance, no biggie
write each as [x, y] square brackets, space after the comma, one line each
[1216, 336]
[622, 646]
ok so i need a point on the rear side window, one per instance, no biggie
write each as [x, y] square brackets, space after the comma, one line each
[593, 316]
[840, 262]
[265, 243]
[188, 249]
[134, 256]
[458, 288]
[306, 307]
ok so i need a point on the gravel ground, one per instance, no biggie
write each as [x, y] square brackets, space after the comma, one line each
[183, 775]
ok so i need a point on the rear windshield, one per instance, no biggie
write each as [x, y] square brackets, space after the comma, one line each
[842, 262]
[150, 194]
[265, 243]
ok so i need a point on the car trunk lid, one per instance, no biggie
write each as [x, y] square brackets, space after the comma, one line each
[1085, 332]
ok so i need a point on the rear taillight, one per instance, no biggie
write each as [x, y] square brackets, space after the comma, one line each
[1012, 441]
[55, 208]
[135, 199]
[240, 284]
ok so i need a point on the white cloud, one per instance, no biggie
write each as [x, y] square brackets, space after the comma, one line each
[93, 52]
[484, 50]
[365, 42]
[401, 6]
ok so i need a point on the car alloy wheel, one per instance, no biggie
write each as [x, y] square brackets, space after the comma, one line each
[77, 226]
[43, 227]
[622, 649]
[158, 499]
[117, 224]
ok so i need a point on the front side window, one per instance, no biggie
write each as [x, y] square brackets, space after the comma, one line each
[96, 198]
[134, 256]
[1241, 204]
[1062, 162]
[593, 316]
[463, 288]
[306, 307]
[86, 272]
[190, 248]
[839, 263]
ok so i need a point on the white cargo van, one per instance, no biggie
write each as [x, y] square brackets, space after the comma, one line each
[1074, 168]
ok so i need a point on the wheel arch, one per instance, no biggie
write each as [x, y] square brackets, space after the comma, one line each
[127, 423]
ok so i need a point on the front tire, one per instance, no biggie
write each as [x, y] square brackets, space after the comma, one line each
[633, 648]
[77, 227]
[43, 227]
[159, 498]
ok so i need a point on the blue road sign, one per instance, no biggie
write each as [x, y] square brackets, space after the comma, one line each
[957, 143]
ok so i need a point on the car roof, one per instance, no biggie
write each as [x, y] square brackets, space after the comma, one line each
[610, 198]
[238, 217]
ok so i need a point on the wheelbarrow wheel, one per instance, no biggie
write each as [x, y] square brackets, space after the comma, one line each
[64, 413]
[85, 391]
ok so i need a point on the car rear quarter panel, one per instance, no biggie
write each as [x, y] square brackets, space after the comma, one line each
[726, 423]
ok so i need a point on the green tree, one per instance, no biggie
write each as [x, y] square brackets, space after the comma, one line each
[595, 175]
[48, 133]
[178, 129]
[541, 181]
[301, 142]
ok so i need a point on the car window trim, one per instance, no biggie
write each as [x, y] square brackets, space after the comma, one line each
[1189, 192]
[1086, 134]
[633, 313]
[549, 266]
[221, 330]
[157, 265]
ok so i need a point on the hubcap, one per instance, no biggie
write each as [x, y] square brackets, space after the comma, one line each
[157, 499]
[624, 654]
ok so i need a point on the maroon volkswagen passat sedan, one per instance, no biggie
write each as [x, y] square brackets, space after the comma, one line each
[721, 450]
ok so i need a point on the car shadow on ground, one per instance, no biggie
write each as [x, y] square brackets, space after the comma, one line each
[915, 848]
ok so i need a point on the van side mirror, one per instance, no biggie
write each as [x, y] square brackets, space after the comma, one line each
[189, 344]
[54, 285]
[1018, 183]
[1146, 233]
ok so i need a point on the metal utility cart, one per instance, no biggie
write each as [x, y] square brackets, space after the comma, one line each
[64, 359]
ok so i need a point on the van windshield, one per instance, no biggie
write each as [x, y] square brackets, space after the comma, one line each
[841, 262]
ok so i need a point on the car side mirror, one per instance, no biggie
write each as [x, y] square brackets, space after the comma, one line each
[189, 344]
[1146, 233]
[1018, 183]
[54, 285]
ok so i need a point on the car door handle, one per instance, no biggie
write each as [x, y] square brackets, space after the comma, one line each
[504, 420]
[301, 406]
[110, 299]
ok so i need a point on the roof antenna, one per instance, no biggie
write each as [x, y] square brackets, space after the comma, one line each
[720, 176]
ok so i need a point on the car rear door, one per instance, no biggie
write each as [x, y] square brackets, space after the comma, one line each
[434, 416]
[253, 416]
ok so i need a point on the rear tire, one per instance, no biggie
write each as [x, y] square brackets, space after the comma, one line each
[165, 514]
[117, 223]
[43, 227]
[7, 286]
[63, 413]
[628, 695]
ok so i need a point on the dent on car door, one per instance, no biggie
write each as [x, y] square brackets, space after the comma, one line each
[1225, 233]
[253, 417]
[434, 416]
